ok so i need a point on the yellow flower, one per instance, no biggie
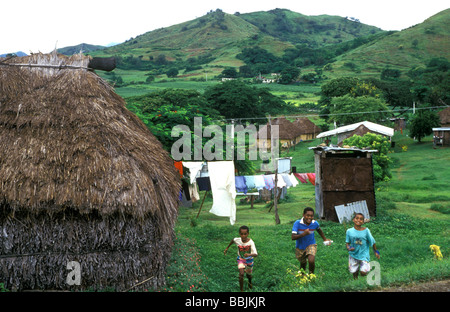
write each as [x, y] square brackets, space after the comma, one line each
[437, 251]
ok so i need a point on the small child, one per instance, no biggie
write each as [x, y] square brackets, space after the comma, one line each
[303, 234]
[358, 241]
[246, 252]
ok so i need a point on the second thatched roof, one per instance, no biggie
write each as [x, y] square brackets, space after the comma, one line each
[67, 141]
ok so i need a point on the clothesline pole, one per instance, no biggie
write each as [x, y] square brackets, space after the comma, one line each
[200, 209]
[275, 198]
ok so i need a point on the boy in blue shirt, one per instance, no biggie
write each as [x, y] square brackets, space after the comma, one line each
[305, 243]
[358, 241]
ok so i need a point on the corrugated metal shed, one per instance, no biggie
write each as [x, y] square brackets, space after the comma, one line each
[369, 125]
[343, 176]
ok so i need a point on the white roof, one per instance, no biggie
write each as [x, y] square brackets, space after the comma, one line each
[369, 125]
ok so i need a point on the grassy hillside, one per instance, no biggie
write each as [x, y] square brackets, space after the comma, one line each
[217, 35]
[314, 31]
[213, 41]
[84, 47]
[404, 50]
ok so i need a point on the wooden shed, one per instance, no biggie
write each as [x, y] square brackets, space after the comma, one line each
[82, 181]
[343, 176]
[441, 136]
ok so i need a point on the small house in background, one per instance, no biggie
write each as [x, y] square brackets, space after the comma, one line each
[289, 133]
[308, 129]
[399, 123]
[344, 176]
[441, 136]
[359, 128]
[444, 117]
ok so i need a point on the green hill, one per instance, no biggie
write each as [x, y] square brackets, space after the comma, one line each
[314, 31]
[403, 50]
[84, 47]
[217, 38]
[336, 45]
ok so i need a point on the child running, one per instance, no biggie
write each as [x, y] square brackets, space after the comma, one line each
[246, 253]
[303, 234]
[358, 241]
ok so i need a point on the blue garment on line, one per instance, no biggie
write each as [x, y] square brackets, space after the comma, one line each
[250, 182]
[241, 187]
[270, 183]
[259, 182]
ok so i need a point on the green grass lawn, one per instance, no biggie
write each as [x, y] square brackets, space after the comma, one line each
[404, 228]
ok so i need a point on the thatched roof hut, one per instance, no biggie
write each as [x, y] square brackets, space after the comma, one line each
[81, 179]
[308, 129]
[288, 133]
[444, 117]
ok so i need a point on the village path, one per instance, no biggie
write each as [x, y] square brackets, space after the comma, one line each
[434, 286]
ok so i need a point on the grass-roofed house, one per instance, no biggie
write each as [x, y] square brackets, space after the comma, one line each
[82, 180]
[288, 133]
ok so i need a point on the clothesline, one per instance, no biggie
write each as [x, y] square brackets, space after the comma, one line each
[225, 185]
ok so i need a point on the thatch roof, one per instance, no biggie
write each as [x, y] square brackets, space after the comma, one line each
[444, 116]
[67, 141]
[286, 129]
[306, 126]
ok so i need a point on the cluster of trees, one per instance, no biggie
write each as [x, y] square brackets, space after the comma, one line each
[424, 87]
[162, 110]
[342, 97]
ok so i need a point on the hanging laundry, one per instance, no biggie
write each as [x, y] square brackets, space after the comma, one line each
[268, 180]
[250, 182]
[280, 181]
[241, 186]
[179, 166]
[185, 188]
[259, 182]
[223, 187]
[204, 184]
[303, 177]
[293, 180]
[194, 167]
[286, 179]
[193, 192]
[312, 178]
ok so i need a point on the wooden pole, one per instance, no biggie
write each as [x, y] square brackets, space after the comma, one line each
[275, 197]
[206, 192]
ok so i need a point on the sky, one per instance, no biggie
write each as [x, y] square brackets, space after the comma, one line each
[43, 25]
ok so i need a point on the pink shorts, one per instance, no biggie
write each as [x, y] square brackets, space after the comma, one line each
[246, 264]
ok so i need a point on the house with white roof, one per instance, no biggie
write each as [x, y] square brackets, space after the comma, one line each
[359, 128]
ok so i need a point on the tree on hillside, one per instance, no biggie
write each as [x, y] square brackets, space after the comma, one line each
[162, 110]
[235, 99]
[368, 108]
[289, 74]
[422, 123]
[172, 72]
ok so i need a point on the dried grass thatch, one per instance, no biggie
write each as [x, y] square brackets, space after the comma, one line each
[286, 129]
[306, 126]
[80, 176]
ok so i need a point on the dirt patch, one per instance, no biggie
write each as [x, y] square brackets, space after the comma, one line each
[434, 286]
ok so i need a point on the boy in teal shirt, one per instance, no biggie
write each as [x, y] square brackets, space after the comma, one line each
[358, 241]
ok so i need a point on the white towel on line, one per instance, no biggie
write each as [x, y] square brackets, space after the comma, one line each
[223, 187]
